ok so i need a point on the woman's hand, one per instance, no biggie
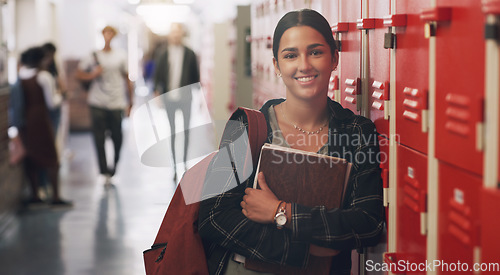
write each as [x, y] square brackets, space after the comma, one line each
[259, 205]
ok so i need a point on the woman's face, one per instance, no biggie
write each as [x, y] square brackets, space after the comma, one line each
[305, 62]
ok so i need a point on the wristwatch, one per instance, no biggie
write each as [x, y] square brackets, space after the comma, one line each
[280, 217]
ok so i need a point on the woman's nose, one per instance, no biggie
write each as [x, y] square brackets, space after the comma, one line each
[304, 63]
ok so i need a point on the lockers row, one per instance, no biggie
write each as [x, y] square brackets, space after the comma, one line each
[426, 72]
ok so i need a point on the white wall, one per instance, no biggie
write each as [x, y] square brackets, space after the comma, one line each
[221, 71]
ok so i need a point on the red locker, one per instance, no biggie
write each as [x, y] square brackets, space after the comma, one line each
[378, 65]
[350, 62]
[412, 78]
[411, 203]
[458, 228]
[490, 226]
[460, 72]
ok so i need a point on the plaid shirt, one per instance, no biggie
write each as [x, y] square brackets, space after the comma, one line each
[359, 223]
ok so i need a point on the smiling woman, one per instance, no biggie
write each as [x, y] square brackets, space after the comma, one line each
[244, 224]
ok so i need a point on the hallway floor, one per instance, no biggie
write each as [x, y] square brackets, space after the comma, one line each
[107, 229]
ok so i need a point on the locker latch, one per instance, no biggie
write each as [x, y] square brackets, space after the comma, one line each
[432, 17]
[336, 30]
[491, 32]
[393, 20]
[491, 8]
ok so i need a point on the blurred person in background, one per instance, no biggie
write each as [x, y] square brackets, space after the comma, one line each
[110, 95]
[39, 93]
[176, 67]
[50, 51]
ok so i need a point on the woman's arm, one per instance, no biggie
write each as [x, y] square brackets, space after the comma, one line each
[222, 222]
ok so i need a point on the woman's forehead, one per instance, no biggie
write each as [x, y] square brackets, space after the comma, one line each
[300, 36]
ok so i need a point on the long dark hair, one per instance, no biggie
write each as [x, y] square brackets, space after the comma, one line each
[304, 17]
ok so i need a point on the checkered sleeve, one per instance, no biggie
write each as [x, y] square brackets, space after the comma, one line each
[221, 221]
[360, 222]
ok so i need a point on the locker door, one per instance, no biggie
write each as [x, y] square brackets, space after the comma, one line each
[378, 65]
[460, 84]
[411, 202]
[350, 63]
[458, 215]
[490, 243]
[412, 66]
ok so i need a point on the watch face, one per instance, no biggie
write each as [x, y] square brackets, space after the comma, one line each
[281, 220]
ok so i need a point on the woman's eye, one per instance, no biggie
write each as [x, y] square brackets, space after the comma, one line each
[316, 52]
[290, 55]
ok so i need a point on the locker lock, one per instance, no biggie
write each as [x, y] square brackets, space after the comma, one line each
[389, 40]
[336, 30]
[393, 20]
[491, 32]
[432, 17]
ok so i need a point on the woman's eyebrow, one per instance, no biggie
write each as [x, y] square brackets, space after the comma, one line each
[312, 46]
[289, 50]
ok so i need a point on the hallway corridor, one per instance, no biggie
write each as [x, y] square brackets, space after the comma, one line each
[107, 229]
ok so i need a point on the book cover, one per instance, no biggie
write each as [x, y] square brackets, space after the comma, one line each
[306, 178]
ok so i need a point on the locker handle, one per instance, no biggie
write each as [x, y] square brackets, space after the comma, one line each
[385, 184]
[365, 23]
[395, 20]
[491, 7]
[438, 14]
[340, 27]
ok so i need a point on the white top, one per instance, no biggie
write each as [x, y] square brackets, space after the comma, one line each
[109, 90]
[47, 82]
[175, 58]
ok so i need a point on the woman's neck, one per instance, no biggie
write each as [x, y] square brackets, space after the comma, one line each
[306, 114]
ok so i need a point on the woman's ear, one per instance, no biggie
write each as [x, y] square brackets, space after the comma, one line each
[277, 70]
[335, 60]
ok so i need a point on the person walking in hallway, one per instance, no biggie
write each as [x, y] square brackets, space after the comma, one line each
[110, 94]
[176, 67]
[38, 87]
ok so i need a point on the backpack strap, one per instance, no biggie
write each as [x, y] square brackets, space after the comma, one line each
[257, 129]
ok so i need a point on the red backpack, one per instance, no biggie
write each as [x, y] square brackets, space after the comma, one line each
[178, 248]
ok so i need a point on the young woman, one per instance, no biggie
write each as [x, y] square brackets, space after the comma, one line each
[239, 223]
